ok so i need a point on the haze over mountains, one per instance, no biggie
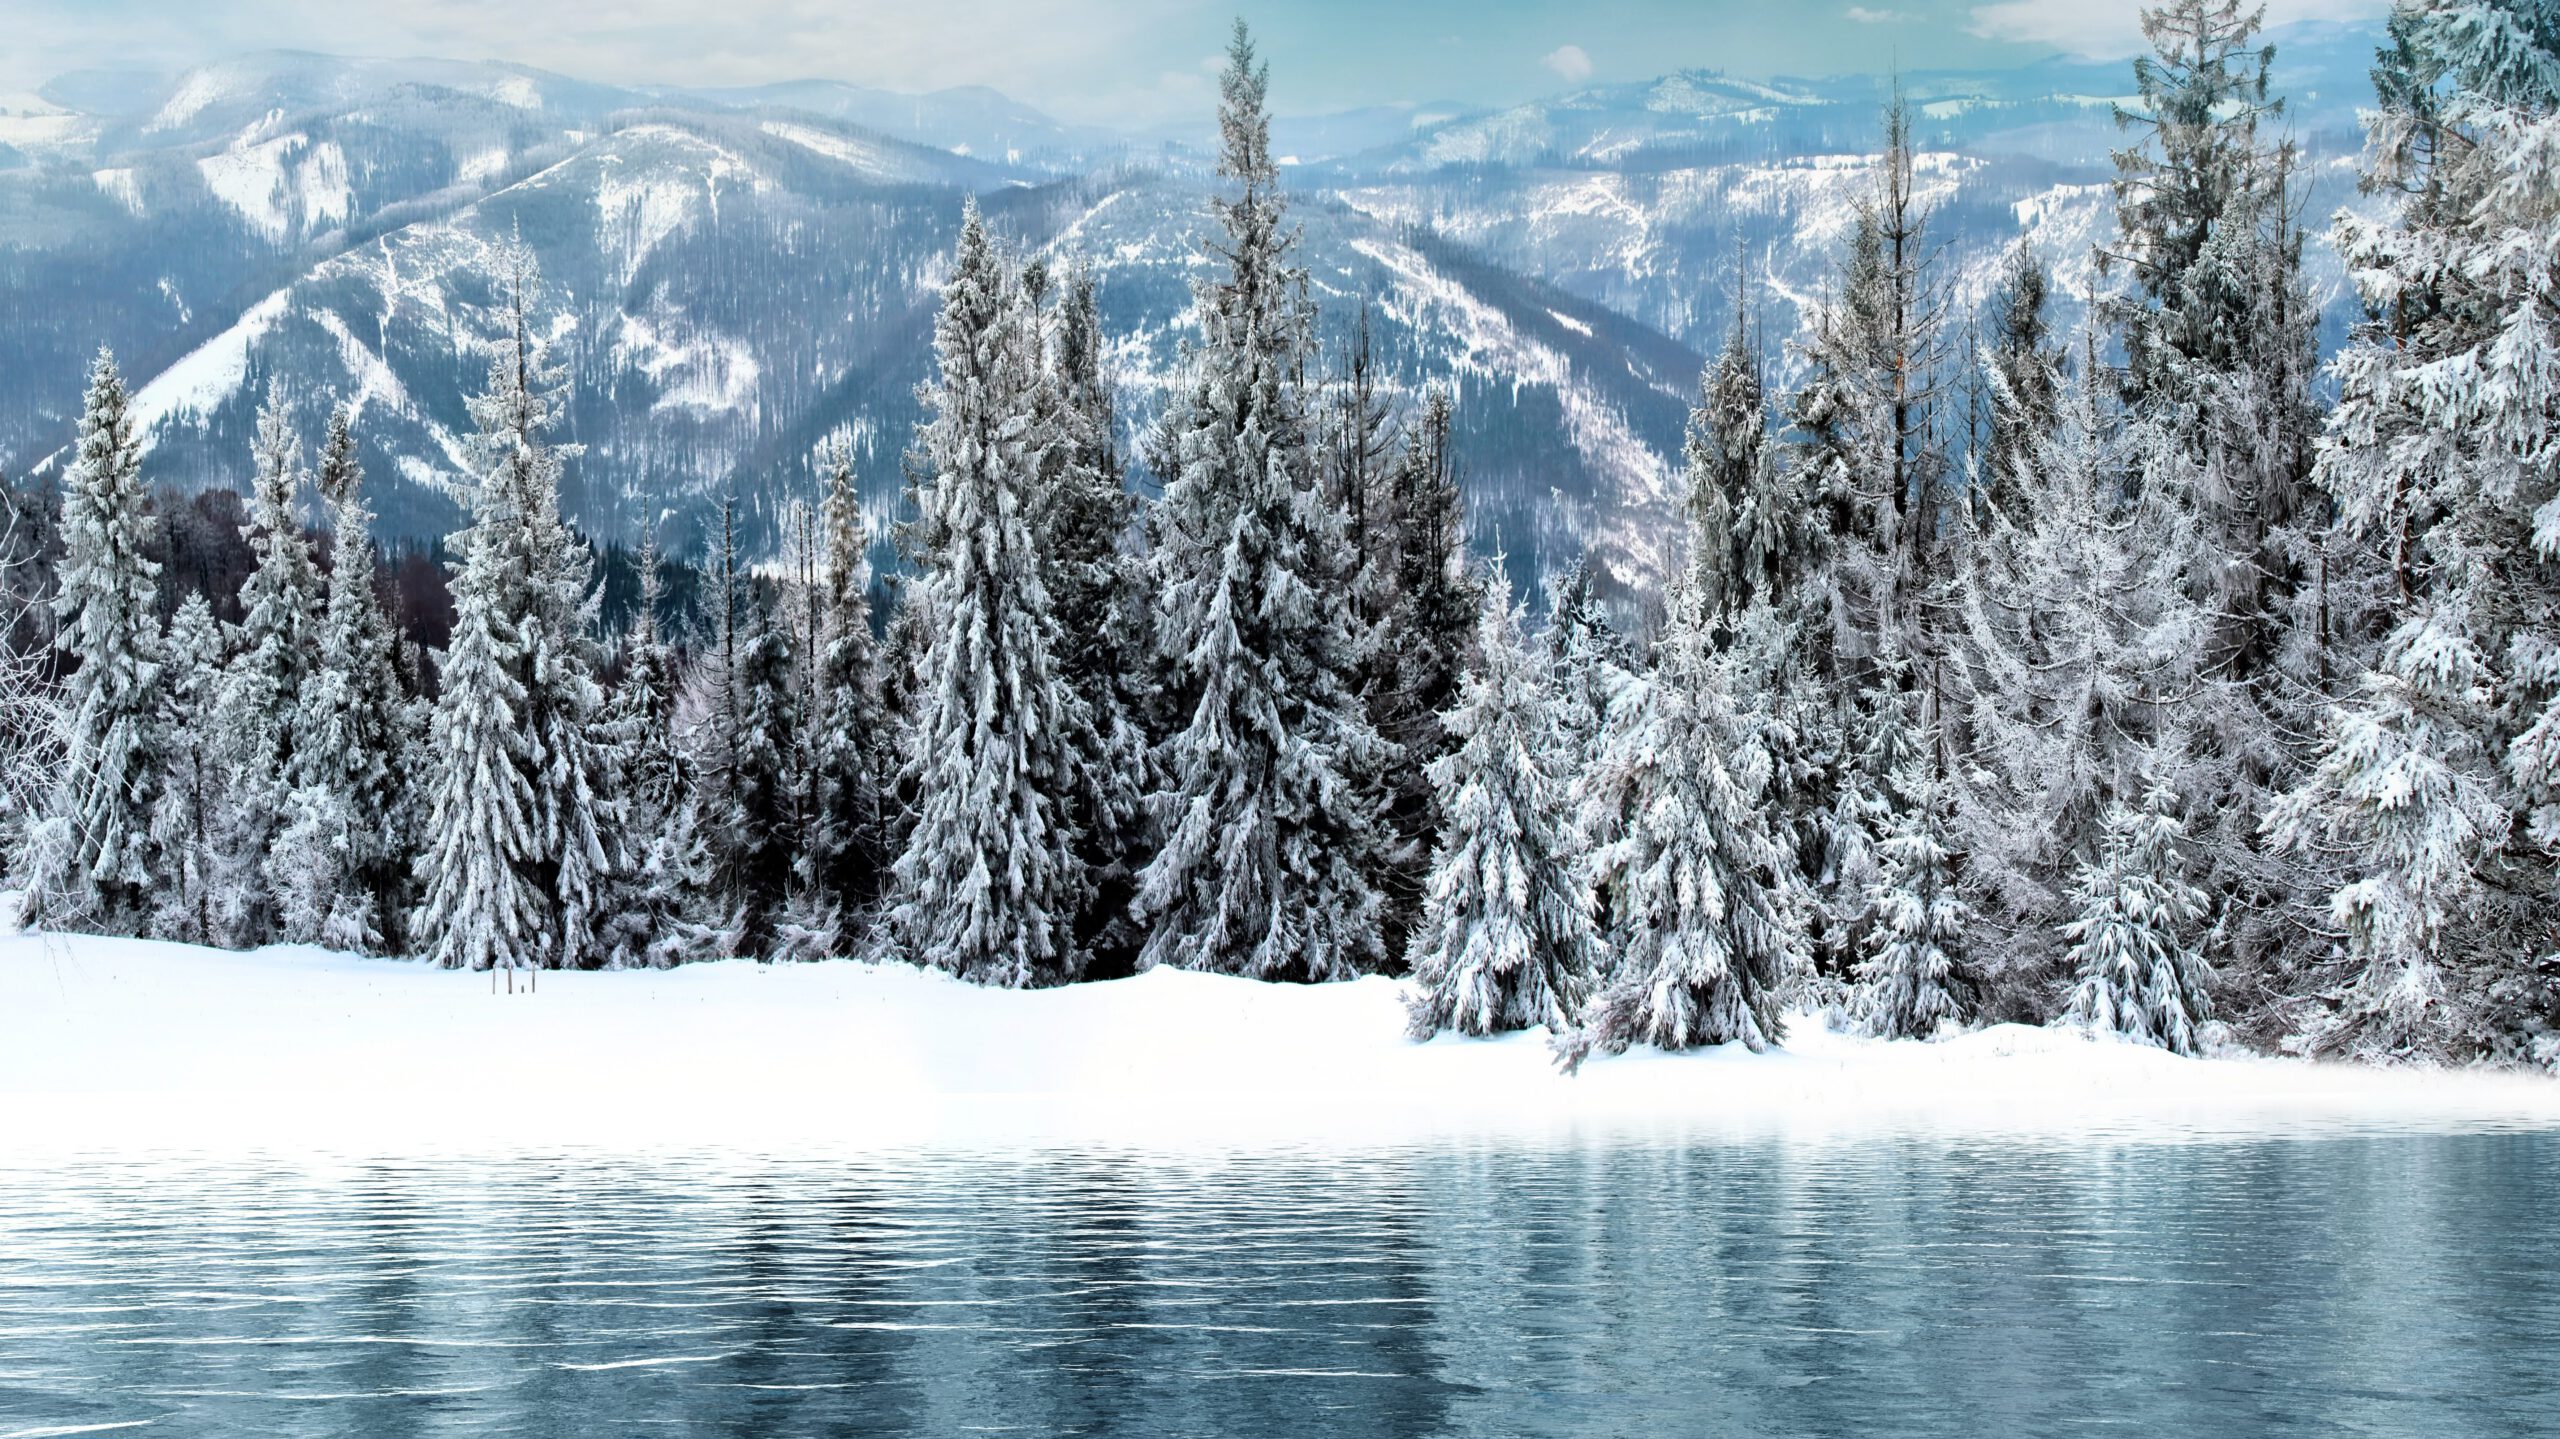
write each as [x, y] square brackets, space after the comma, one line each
[740, 273]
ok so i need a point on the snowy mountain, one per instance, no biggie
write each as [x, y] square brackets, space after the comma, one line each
[739, 273]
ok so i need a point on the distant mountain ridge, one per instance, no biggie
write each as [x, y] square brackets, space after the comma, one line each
[740, 272]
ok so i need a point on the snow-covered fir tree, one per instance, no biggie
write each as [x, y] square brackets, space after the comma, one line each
[2134, 944]
[2216, 325]
[195, 790]
[1359, 444]
[2436, 796]
[337, 869]
[1097, 588]
[988, 885]
[1870, 443]
[1267, 856]
[1421, 643]
[760, 823]
[2023, 374]
[479, 907]
[1913, 980]
[846, 733]
[1701, 906]
[1743, 505]
[524, 822]
[1586, 666]
[666, 909]
[2078, 642]
[273, 661]
[28, 728]
[1762, 562]
[745, 741]
[1505, 938]
[89, 856]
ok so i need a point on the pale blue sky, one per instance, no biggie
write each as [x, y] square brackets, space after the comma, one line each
[1106, 61]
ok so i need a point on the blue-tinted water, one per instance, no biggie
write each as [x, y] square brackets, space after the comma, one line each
[2391, 1286]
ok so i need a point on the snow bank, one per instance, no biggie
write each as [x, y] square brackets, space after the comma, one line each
[131, 1044]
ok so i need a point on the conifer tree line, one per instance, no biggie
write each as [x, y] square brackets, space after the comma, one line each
[2135, 677]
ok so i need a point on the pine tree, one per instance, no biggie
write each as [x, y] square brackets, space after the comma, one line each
[2217, 329]
[2433, 796]
[745, 743]
[1871, 457]
[89, 856]
[1700, 904]
[2024, 371]
[1742, 505]
[1871, 450]
[273, 663]
[1097, 587]
[1266, 859]
[2078, 653]
[1586, 666]
[1913, 980]
[761, 849]
[1505, 937]
[336, 871]
[525, 821]
[644, 703]
[1360, 443]
[29, 728]
[2133, 945]
[479, 906]
[846, 726]
[1422, 640]
[194, 784]
[989, 884]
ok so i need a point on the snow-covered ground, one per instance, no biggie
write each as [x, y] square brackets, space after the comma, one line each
[130, 1044]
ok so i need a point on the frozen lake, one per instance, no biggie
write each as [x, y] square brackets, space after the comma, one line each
[2374, 1283]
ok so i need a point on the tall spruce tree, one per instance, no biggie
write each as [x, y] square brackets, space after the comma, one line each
[1913, 979]
[337, 870]
[2023, 369]
[744, 743]
[1422, 642]
[1742, 503]
[2078, 652]
[273, 662]
[1700, 900]
[1266, 862]
[2217, 328]
[2134, 942]
[2435, 799]
[89, 856]
[1360, 443]
[525, 823]
[1505, 938]
[988, 885]
[1871, 444]
[195, 791]
[846, 728]
[1097, 588]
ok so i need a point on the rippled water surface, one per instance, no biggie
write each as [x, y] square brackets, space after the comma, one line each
[2393, 1286]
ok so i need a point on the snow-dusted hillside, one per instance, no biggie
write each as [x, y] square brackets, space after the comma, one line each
[127, 1042]
[741, 273]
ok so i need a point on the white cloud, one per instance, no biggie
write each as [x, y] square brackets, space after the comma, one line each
[2112, 29]
[1860, 14]
[1568, 61]
[1075, 56]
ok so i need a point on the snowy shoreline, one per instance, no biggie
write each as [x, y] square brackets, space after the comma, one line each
[116, 1044]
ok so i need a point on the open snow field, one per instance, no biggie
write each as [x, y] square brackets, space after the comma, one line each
[117, 1042]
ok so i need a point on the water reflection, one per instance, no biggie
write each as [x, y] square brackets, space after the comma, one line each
[1905, 1285]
